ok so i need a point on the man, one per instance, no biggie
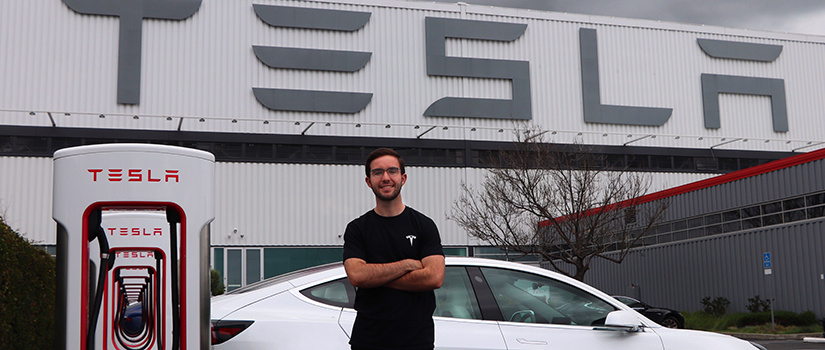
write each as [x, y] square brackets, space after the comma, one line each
[393, 255]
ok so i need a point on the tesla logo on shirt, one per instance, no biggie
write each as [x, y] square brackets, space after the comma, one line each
[411, 238]
[134, 175]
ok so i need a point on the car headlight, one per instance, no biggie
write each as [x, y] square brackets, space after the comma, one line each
[760, 347]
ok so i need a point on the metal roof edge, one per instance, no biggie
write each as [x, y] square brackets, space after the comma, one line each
[736, 175]
[710, 182]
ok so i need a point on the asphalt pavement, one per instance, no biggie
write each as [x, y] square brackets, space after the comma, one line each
[790, 345]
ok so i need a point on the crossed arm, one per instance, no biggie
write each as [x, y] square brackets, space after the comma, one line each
[408, 274]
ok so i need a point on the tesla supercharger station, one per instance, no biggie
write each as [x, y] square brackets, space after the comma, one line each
[133, 246]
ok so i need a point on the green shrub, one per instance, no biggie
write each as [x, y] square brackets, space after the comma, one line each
[754, 319]
[716, 307]
[785, 318]
[788, 318]
[752, 322]
[27, 293]
[702, 320]
[757, 304]
[216, 285]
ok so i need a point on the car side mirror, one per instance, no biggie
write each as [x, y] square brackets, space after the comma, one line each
[524, 316]
[622, 320]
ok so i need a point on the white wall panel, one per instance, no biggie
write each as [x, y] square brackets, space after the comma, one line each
[287, 204]
[273, 204]
[58, 61]
[26, 197]
[290, 204]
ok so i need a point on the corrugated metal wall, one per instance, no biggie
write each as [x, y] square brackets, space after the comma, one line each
[799, 180]
[60, 67]
[310, 205]
[26, 197]
[203, 67]
[272, 204]
[679, 275]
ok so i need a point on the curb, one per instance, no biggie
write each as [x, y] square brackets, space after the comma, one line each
[813, 340]
[761, 336]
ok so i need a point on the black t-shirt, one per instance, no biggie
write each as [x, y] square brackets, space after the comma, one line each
[390, 318]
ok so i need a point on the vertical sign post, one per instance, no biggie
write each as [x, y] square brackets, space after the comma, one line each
[767, 264]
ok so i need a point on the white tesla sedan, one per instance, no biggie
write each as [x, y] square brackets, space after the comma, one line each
[483, 304]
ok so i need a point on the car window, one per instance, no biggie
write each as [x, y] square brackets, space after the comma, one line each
[336, 293]
[456, 297]
[529, 298]
[284, 277]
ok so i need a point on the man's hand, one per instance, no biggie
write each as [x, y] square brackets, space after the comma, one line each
[364, 275]
[428, 278]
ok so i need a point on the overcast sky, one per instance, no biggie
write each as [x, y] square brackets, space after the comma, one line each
[792, 16]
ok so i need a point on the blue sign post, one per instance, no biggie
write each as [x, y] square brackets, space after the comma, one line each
[767, 264]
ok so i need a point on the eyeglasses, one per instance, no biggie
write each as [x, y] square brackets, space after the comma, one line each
[378, 172]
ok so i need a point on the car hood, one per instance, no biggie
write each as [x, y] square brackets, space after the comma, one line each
[683, 339]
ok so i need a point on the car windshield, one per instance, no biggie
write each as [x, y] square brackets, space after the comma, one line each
[284, 277]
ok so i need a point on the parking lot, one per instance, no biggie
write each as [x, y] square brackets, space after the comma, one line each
[791, 345]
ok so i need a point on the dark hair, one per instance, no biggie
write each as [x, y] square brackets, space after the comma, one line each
[383, 152]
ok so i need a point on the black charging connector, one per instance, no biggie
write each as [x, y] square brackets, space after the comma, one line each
[174, 218]
[95, 231]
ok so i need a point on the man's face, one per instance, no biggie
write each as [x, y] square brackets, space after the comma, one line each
[386, 186]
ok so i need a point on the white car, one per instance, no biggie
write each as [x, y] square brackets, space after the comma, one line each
[483, 304]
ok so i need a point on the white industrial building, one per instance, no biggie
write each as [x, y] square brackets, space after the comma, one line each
[291, 95]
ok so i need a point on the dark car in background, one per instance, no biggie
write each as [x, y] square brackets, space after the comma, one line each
[665, 317]
[131, 320]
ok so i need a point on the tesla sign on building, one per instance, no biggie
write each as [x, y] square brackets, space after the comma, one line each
[267, 64]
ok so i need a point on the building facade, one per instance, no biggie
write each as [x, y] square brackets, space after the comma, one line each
[753, 233]
[291, 95]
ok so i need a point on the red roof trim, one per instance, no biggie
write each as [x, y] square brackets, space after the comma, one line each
[721, 179]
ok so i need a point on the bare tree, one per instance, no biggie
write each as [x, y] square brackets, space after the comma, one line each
[564, 204]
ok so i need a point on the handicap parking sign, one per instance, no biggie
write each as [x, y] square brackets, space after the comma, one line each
[766, 260]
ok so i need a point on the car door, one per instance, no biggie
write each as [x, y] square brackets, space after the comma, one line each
[459, 318]
[543, 313]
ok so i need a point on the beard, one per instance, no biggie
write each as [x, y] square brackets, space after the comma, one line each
[386, 197]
